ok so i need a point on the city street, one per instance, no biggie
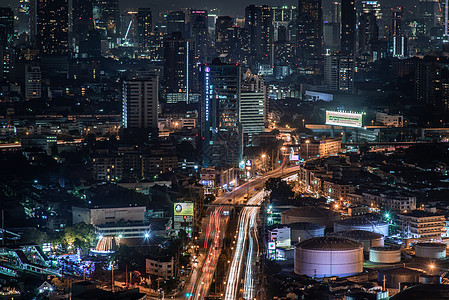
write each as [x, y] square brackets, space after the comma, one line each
[214, 228]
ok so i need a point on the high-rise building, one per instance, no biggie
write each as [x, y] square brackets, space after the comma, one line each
[429, 14]
[368, 32]
[220, 128]
[339, 73]
[106, 14]
[252, 111]
[52, 26]
[399, 41]
[199, 33]
[23, 20]
[224, 32]
[33, 83]
[140, 103]
[348, 26]
[176, 22]
[284, 18]
[144, 27]
[6, 26]
[82, 16]
[259, 22]
[176, 66]
[309, 38]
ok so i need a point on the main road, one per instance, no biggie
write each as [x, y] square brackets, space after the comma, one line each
[214, 227]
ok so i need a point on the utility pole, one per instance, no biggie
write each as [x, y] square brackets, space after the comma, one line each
[112, 277]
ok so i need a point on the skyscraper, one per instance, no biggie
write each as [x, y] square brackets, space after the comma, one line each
[252, 107]
[140, 103]
[224, 32]
[52, 26]
[368, 32]
[6, 26]
[348, 26]
[144, 27]
[309, 38]
[82, 16]
[399, 41]
[176, 22]
[220, 129]
[199, 34]
[339, 73]
[176, 67]
[106, 15]
[259, 23]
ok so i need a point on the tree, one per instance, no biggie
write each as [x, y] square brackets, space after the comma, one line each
[32, 235]
[279, 189]
[80, 235]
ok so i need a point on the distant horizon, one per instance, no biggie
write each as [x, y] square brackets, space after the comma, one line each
[235, 8]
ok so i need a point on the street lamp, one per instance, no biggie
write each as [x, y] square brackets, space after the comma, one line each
[263, 161]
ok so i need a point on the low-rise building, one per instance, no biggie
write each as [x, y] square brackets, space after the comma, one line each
[160, 266]
[390, 120]
[320, 148]
[419, 224]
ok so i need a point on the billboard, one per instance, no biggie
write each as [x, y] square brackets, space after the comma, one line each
[341, 118]
[183, 209]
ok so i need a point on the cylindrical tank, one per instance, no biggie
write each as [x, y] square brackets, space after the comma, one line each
[328, 256]
[367, 238]
[430, 250]
[311, 214]
[301, 231]
[394, 277]
[385, 255]
[429, 279]
[362, 223]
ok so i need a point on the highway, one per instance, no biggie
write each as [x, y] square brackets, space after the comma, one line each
[214, 227]
[247, 231]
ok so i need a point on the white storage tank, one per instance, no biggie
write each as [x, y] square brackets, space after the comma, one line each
[367, 238]
[385, 255]
[301, 231]
[328, 256]
[311, 214]
[430, 250]
[362, 223]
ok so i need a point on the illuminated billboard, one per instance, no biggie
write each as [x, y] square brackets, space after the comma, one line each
[341, 118]
[183, 209]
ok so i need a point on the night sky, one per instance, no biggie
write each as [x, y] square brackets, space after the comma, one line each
[227, 7]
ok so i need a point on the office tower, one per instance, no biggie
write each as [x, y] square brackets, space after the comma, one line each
[140, 103]
[348, 25]
[156, 51]
[368, 32]
[336, 12]
[176, 22]
[283, 22]
[199, 33]
[399, 41]
[82, 16]
[309, 38]
[129, 27]
[253, 99]
[429, 13]
[339, 73]
[33, 83]
[373, 6]
[23, 20]
[176, 67]
[6, 26]
[144, 27]
[259, 22]
[220, 129]
[52, 27]
[106, 14]
[224, 32]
